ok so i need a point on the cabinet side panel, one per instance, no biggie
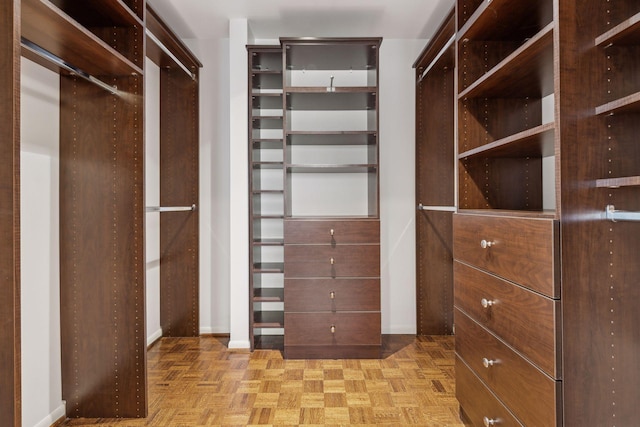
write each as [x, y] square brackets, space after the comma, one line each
[102, 249]
[179, 231]
[10, 391]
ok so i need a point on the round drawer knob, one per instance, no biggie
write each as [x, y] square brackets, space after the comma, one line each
[488, 422]
[486, 303]
[487, 363]
[332, 329]
[486, 244]
[332, 295]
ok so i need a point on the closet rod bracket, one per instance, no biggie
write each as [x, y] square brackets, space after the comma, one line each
[422, 207]
[171, 208]
[614, 215]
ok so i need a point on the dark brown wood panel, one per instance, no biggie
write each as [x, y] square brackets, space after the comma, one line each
[10, 355]
[331, 232]
[477, 401]
[532, 396]
[523, 250]
[332, 295]
[322, 329]
[512, 313]
[179, 178]
[332, 352]
[102, 278]
[329, 261]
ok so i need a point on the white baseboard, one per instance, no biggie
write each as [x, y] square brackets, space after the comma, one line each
[239, 344]
[208, 330]
[154, 337]
[58, 413]
[400, 330]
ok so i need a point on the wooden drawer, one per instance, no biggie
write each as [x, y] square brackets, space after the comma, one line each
[330, 261]
[320, 231]
[332, 295]
[477, 402]
[522, 250]
[316, 329]
[527, 321]
[532, 396]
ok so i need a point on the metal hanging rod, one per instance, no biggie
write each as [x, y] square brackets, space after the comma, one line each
[613, 215]
[48, 56]
[170, 54]
[171, 208]
[442, 51]
[422, 207]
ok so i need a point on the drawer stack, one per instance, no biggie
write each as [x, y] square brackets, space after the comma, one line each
[507, 317]
[332, 288]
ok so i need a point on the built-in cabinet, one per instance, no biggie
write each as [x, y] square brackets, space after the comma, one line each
[98, 48]
[435, 181]
[315, 233]
[545, 239]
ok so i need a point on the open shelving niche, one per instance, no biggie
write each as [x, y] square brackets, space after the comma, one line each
[331, 129]
[266, 197]
[506, 107]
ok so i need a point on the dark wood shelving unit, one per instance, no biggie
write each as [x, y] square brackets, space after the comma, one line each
[627, 104]
[266, 119]
[536, 142]
[625, 33]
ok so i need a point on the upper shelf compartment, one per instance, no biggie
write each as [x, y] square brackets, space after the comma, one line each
[100, 13]
[45, 25]
[502, 19]
[625, 33]
[505, 35]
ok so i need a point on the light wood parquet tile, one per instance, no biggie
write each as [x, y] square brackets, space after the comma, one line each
[199, 382]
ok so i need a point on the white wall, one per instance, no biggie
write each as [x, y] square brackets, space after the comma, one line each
[397, 185]
[152, 198]
[42, 401]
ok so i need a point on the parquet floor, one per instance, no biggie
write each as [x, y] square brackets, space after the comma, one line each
[199, 382]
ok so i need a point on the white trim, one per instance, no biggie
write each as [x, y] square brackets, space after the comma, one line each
[59, 412]
[239, 345]
[154, 337]
[208, 330]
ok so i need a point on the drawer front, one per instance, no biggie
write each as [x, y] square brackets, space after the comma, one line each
[527, 321]
[317, 329]
[522, 250]
[532, 396]
[330, 261]
[332, 295]
[331, 232]
[477, 401]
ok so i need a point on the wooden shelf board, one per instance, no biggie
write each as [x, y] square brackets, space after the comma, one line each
[330, 217]
[322, 100]
[273, 72]
[266, 216]
[323, 89]
[268, 295]
[332, 168]
[101, 13]
[625, 181]
[535, 142]
[269, 242]
[504, 19]
[268, 319]
[625, 33]
[47, 26]
[544, 214]
[527, 72]
[268, 267]
[332, 138]
[627, 104]
[268, 192]
[267, 165]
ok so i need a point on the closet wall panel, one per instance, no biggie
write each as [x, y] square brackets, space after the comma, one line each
[179, 174]
[435, 176]
[10, 392]
[102, 249]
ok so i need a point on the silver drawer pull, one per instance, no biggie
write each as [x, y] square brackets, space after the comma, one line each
[332, 295]
[331, 232]
[332, 261]
[486, 243]
[488, 422]
[486, 303]
[487, 363]
[332, 329]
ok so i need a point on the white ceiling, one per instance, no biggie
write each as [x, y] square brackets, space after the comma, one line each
[271, 19]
